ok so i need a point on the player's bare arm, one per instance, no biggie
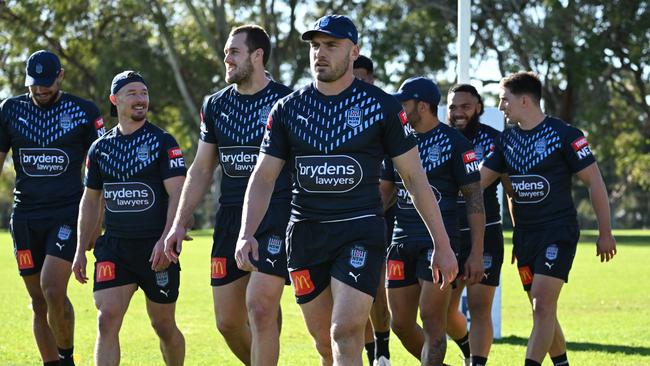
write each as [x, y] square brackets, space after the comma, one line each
[256, 202]
[476, 219]
[410, 169]
[488, 176]
[173, 186]
[606, 244]
[388, 193]
[86, 224]
[197, 183]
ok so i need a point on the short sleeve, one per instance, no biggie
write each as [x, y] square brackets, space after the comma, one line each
[207, 133]
[5, 137]
[397, 137]
[387, 170]
[171, 160]
[276, 139]
[93, 179]
[95, 127]
[495, 159]
[576, 150]
[465, 164]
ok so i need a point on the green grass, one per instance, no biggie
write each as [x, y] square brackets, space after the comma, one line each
[604, 310]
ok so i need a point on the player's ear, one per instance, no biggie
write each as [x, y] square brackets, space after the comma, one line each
[61, 74]
[354, 52]
[113, 99]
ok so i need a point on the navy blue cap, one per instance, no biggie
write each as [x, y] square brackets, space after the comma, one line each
[419, 88]
[337, 26]
[42, 68]
[120, 80]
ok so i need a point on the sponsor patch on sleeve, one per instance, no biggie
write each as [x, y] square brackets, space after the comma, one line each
[471, 164]
[402, 117]
[99, 126]
[269, 122]
[175, 152]
[175, 158]
[581, 147]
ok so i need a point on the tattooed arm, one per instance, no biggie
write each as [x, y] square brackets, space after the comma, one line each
[476, 220]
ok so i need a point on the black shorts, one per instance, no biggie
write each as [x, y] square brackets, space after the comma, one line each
[34, 239]
[123, 261]
[270, 236]
[548, 252]
[492, 253]
[408, 261]
[351, 251]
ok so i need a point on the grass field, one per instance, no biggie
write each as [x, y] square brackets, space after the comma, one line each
[604, 310]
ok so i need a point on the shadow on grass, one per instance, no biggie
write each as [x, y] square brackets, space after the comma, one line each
[583, 346]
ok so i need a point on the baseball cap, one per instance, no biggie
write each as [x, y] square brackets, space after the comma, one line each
[42, 68]
[120, 80]
[419, 88]
[337, 26]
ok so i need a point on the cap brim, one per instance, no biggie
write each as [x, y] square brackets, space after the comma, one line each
[46, 82]
[308, 35]
[402, 97]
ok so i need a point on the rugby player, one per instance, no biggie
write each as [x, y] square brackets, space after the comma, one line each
[137, 171]
[233, 120]
[541, 154]
[333, 134]
[49, 132]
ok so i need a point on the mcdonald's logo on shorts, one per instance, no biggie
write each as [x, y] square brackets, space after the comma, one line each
[105, 271]
[526, 275]
[301, 281]
[24, 258]
[218, 270]
[395, 270]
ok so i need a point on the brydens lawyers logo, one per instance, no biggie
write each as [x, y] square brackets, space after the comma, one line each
[395, 270]
[24, 258]
[301, 281]
[104, 271]
[218, 269]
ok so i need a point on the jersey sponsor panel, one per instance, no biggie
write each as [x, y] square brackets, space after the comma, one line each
[43, 162]
[238, 161]
[128, 196]
[530, 188]
[328, 173]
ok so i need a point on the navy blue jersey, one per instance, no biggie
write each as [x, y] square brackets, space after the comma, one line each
[334, 146]
[540, 163]
[484, 142]
[235, 123]
[449, 161]
[48, 149]
[130, 169]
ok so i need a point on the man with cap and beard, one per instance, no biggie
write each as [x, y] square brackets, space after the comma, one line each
[464, 108]
[49, 132]
[333, 134]
[138, 169]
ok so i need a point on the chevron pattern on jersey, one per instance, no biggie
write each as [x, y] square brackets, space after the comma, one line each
[45, 126]
[524, 152]
[435, 150]
[324, 124]
[242, 120]
[482, 142]
[123, 159]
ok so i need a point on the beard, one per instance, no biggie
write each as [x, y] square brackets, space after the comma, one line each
[335, 72]
[242, 73]
[471, 128]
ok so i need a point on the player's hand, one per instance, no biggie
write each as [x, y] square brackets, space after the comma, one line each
[246, 247]
[79, 267]
[606, 247]
[158, 259]
[473, 269]
[443, 263]
[173, 243]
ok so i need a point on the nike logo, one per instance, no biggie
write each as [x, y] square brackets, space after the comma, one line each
[272, 262]
[60, 246]
[303, 118]
[21, 119]
[355, 277]
[549, 265]
[226, 116]
[166, 293]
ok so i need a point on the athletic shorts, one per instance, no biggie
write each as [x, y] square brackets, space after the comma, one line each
[492, 253]
[270, 237]
[34, 239]
[408, 261]
[123, 261]
[351, 251]
[548, 252]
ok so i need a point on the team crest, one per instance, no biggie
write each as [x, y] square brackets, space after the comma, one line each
[478, 150]
[324, 22]
[358, 256]
[39, 68]
[487, 261]
[540, 146]
[65, 121]
[433, 154]
[429, 255]
[143, 152]
[162, 278]
[64, 232]
[353, 117]
[551, 252]
[264, 114]
[275, 244]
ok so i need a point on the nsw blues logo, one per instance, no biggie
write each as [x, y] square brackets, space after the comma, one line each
[433, 154]
[264, 114]
[324, 22]
[65, 121]
[143, 152]
[358, 256]
[275, 244]
[354, 117]
[551, 252]
[540, 146]
[39, 68]
[487, 261]
[162, 278]
[64, 232]
[478, 150]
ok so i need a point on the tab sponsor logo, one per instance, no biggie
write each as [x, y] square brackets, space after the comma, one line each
[470, 161]
[328, 173]
[404, 200]
[238, 161]
[43, 162]
[530, 188]
[175, 155]
[581, 147]
[128, 197]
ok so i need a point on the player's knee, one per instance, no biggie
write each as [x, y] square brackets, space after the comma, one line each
[39, 306]
[434, 323]
[345, 330]
[108, 321]
[261, 314]
[400, 326]
[227, 325]
[544, 309]
[479, 307]
[165, 328]
[54, 294]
